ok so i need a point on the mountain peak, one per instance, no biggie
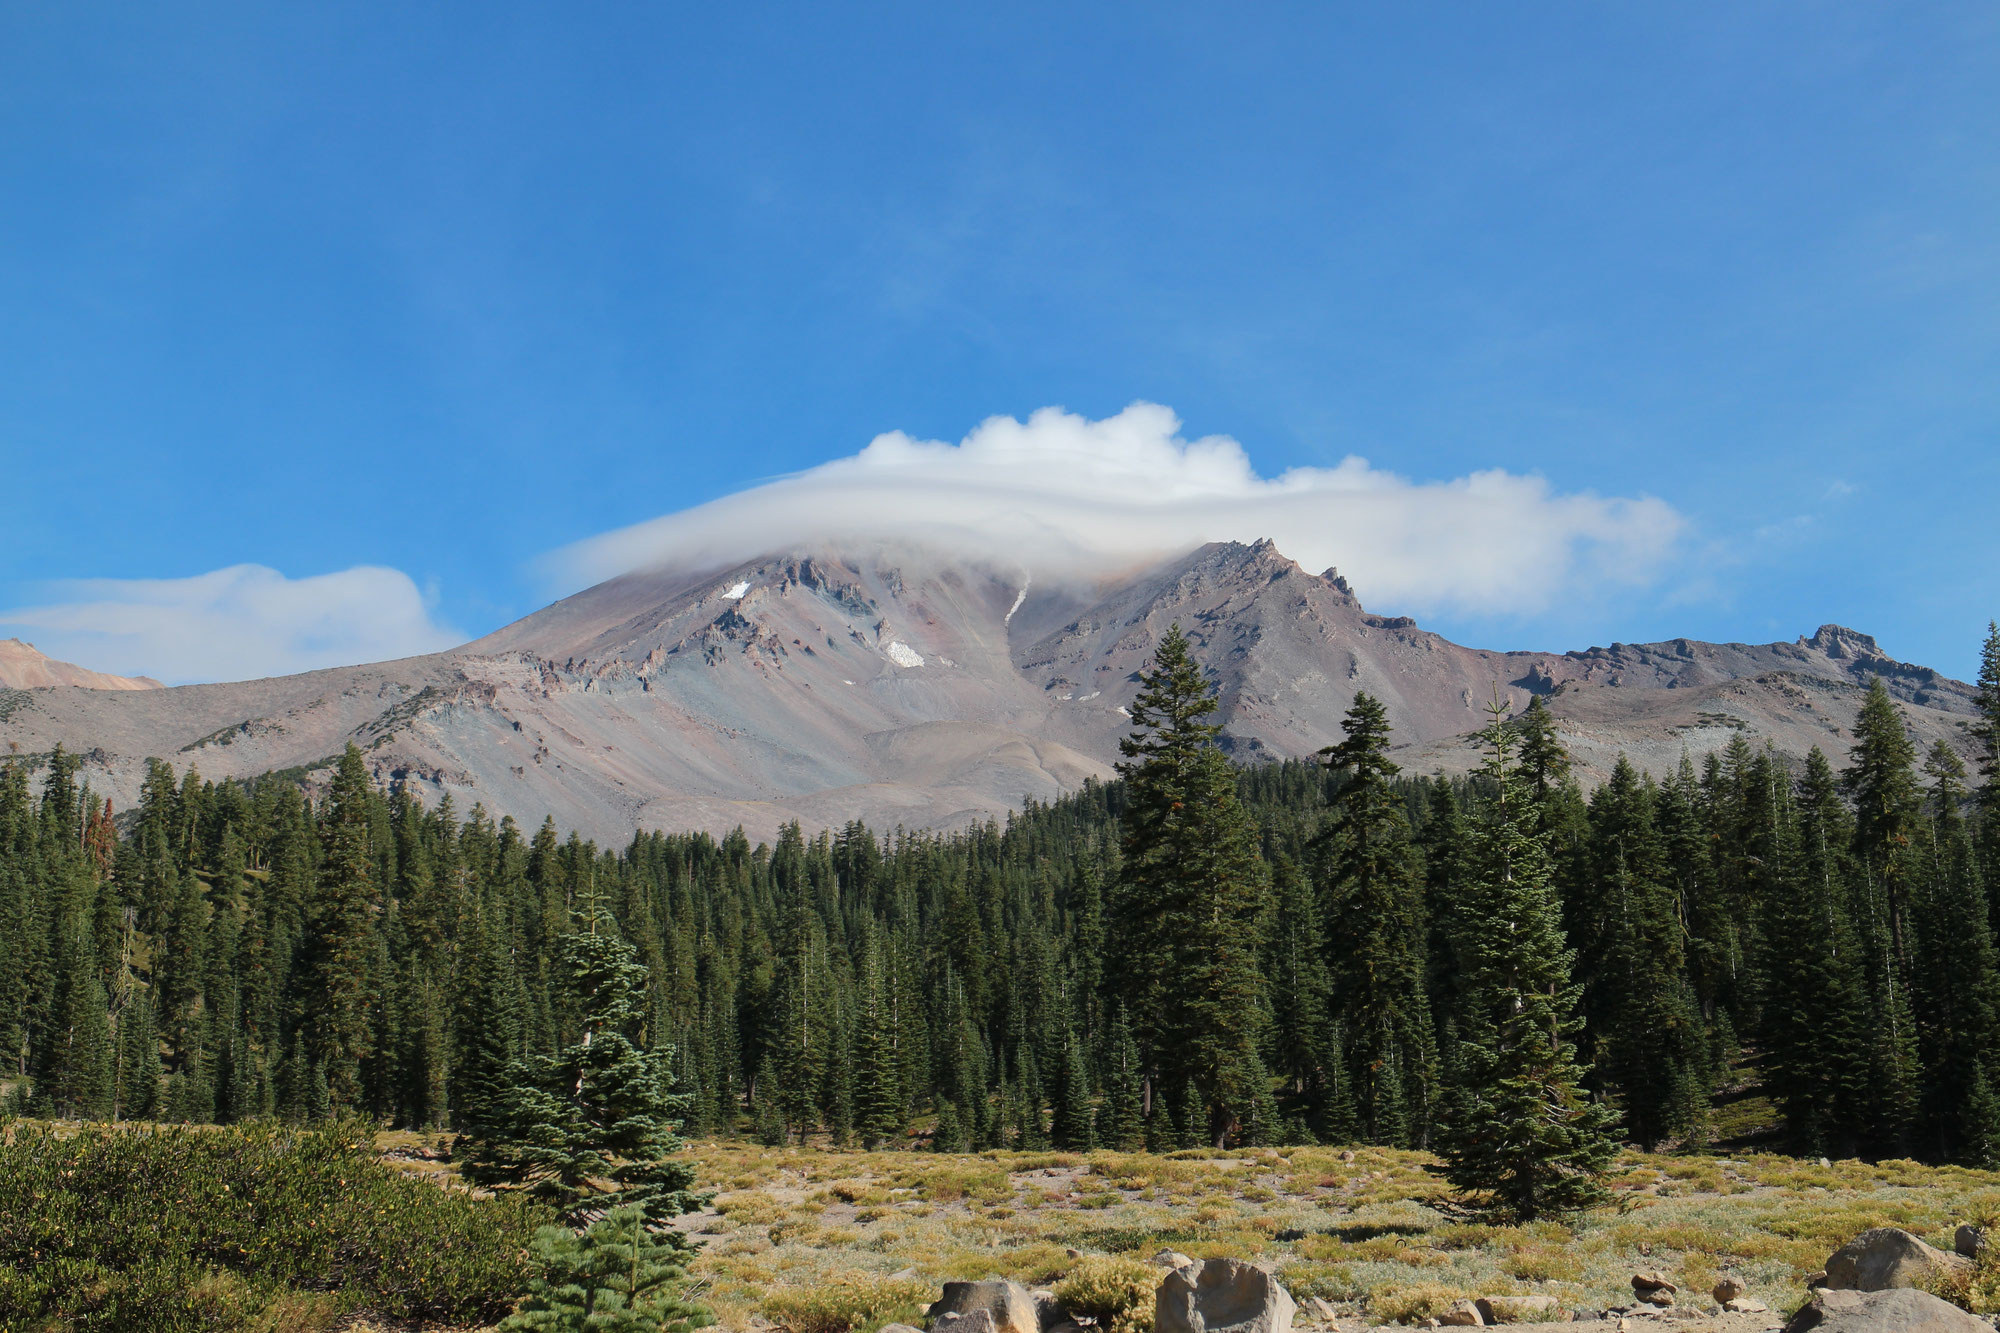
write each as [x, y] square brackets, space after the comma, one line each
[25, 667]
[1839, 642]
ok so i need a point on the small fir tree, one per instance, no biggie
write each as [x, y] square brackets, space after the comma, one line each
[592, 1128]
[617, 1276]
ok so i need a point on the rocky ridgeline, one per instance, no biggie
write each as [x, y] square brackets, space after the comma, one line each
[1876, 1283]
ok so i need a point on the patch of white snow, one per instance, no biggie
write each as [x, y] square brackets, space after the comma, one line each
[846, 682]
[1092, 695]
[902, 654]
[736, 593]
[1121, 708]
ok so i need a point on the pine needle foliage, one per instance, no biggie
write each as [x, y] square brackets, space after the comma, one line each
[593, 1127]
[616, 1276]
[1520, 1139]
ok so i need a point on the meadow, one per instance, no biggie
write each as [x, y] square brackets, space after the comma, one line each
[821, 1240]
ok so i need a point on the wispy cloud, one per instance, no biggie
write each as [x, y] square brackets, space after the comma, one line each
[238, 623]
[1060, 494]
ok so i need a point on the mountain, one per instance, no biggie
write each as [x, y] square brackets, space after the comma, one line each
[23, 667]
[902, 686]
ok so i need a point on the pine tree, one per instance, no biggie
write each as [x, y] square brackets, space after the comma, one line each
[1815, 1012]
[1308, 1055]
[620, 1275]
[1123, 1123]
[1072, 1127]
[1650, 1047]
[1956, 995]
[880, 1106]
[1881, 782]
[138, 1060]
[1192, 895]
[592, 1128]
[1374, 901]
[1519, 1139]
[1987, 735]
[343, 944]
[83, 1081]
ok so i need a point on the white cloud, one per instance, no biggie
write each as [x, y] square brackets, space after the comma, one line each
[238, 623]
[1063, 495]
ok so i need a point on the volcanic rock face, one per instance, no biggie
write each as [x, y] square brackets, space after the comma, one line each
[902, 686]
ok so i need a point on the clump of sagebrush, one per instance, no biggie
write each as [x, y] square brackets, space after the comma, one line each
[1116, 1292]
[164, 1229]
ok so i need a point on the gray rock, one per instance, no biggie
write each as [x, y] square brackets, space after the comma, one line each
[898, 1328]
[1172, 1259]
[1007, 1305]
[977, 1321]
[1465, 1314]
[1745, 1305]
[1893, 1310]
[1645, 1282]
[1883, 1259]
[1969, 1240]
[1050, 1311]
[1222, 1296]
[1516, 1309]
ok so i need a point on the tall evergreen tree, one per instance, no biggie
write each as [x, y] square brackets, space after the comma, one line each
[1375, 925]
[1650, 1049]
[343, 920]
[1815, 1029]
[1519, 1138]
[1191, 899]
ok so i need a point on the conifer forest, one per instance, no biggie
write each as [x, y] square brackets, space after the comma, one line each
[1326, 950]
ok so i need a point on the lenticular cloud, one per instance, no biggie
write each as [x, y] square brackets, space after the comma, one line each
[1065, 496]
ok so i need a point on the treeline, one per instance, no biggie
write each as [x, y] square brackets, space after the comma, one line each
[1140, 963]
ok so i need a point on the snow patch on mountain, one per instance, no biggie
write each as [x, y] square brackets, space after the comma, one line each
[902, 654]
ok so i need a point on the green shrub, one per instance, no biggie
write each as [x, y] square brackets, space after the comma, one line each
[1117, 1293]
[164, 1229]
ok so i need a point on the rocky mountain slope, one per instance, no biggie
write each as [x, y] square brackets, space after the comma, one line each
[24, 667]
[904, 687]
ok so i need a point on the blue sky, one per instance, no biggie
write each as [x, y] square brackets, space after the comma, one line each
[434, 291]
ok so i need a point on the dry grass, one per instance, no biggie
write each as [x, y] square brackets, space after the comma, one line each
[798, 1235]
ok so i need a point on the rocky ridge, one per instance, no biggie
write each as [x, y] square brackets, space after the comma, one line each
[903, 686]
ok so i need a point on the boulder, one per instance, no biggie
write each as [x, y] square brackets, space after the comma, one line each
[1050, 1311]
[1727, 1290]
[1172, 1259]
[1892, 1310]
[1516, 1309]
[977, 1321]
[898, 1328]
[1006, 1304]
[1653, 1289]
[1969, 1240]
[1744, 1305]
[1465, 1314]
[1885, 1258]
[1222, 1296]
